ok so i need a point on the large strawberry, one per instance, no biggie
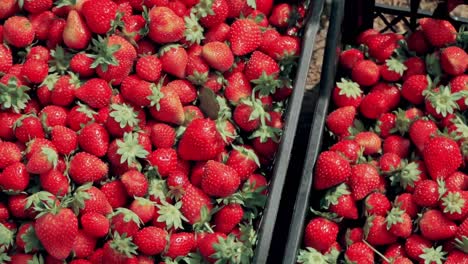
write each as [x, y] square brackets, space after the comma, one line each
[435, 226]
[99, 15]
[219, 180]
[195, 204]
[438, 32]
[442, 157]
[454, 60]
[320, 234]
[95, 92]
[165, 26]
[331, 169]
[363, 180]
[85, 167]
[245, 36]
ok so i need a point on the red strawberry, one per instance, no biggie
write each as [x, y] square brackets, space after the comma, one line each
[85, 167]
[15, 177]
[261, 66]
[9, 154]
[42, 161]
[399, 222]
[55, 33]
[194, 201]
[382, 46]
[365, 73]
[162, 135]
[122, 119]
[76, 34]
[460, 84]
[123, 221]
[201, 141]
[144, 208]
[57, 231]
[151, 240]
[54, 182]
[421, 132]
[369, 141]
[339, 201]
[84, 245]
[89, 199]
[392, 70]
[135, 183]
[457, 181]
[417, 42]
[349, 148]
[456, 257]
[94, 139]
[331, 169]
[377, 204]
[415, 66]
[228, 218]
[28, 127]
[95, 92]
[435, 226]
[219, 12]
[219, 180]
[442, 157]
[166, 105]
[63, 92]
[149, 68]
[284, 48]
[115, 193]
[219, 32]
[99, 15]
[206, 245]
[350, 57]
[95, 224]
[341, 120]
[174, 60]
[185, 90]
[347, 93]
[320, 234]
[81, 65]
[363, 180]
[280, 15]
[427, 193]
[34, 70]
[18, 31]
[79, 116]
[120, 249]
[238, 87]
[359, 253]
[245, 36]
[64, 139]
[218, 55]
[438, 32]
[244, 161]
[454, 205]
[180, 245]
[376, 232]
[454, 60]
[165, 26]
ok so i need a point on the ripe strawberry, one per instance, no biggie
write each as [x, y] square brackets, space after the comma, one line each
[376, 232]
[456, 257]
[84, 245]
[228, 217]
[149, 68]
[99, 15]
[174, 60]
[52, 115]
[201, 135]
[151, 240]
[85, 167]
[341, 120]
[359, 253]
[339, 201]
[34, 70]
[454, 60]
[249, 114]
[135, 183]
[349, 148]
[76, 34]
[259, 67]
[331, 169]
[219, 180]
[94, 139]
[427, 193]
[244, 161]
[42, 161]
[218, 55]
[454, 205]
[382, 46]
[347, 93]
[421, 131]
[350, 57]
[369, 141]
[206, 245]
[89, 199]
[28, 127]
[377, 204]
[8, 8]
[41, 23]
[194, 200]
[435, 226]
[165, 26]
[79, 116]
[184, 89]
[122, 119]
[94, 224]
[9, 154]
[219, 32]
[280, 15]
[399, 223]
[120, 249]
[180, 245]
[7, 59]
[320, 234]
[438, 32]
[57, 231]
[245, 37]
[95, 92]
[417, 42]
[55, 32]
[115, 193]
[460, 84]
[162, 135]
[363, 180]
[63, 92]
[15, 177]
[81, 65]
[284, 48]
[365, 73]
[144, 208]
[415, 66]
[18, 31]
[442, 157]
[219, 12]
[123, 221]
[457, 181]
[392, 70]
[55, 182]
[238, 87]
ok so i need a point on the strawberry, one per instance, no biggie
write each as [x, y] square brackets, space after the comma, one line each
[55, 32]
[165, 26]
[94, 224]
[79, 116]
[365, 73]
[392, 70]
[454, 60]
[339, 201]
[243, 160]
[347, 93]
[194, 201]
[122, 119]
[162, 136]
[144, 208]
[15, 177]
[135, 183]
[370, 142]
[349, 148]
[42, 161]
[399, 223]
[415, 66]
[417, 42]
[442, 157]
[421, 131]
[151, 240]
[99, 15]
[456, 257]
[350, 57]
[397, 145]
[331, 169]
[284, 48]
[9, 154]
[245, 37]
[115, 192]
[206, 245]
[8, 8]
[454, 205]
[120, 249]
[435, 226]
[320, 234]
[280, 15]
[54, 182]
[441, 102]
[149, 68]
[262, 70]
[249, 114]
[123, 221]
[238, 87]
[18, 31]
[85, 167]
[359, 253]
[382, 46]
[34, 70]
[174, 60]
[377, 204]
[7, 59]
[57, 230]
[37, 6]
[218, 55]
[84, 245]
[94, 139]
[63, 92]
[200, 135]
[217, 13]
[363, 180]
[228, 217]
[460, 84]
[219, 32]
[95, 92]
[184, 89]
[376, 232]
[14, 94]
[136, 91]
[438, 32]
[89, 199]
[457, 181]
[76, 34]
[341, 120]
[81, 65]
[180, 245]
[219, 180]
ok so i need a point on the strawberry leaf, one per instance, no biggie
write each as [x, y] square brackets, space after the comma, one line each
[208, 103]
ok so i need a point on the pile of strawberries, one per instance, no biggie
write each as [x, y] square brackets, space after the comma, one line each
[393, 186]
[140, 131]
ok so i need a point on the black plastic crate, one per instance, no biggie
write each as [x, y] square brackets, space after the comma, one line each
[268, 220]
[347, 19]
